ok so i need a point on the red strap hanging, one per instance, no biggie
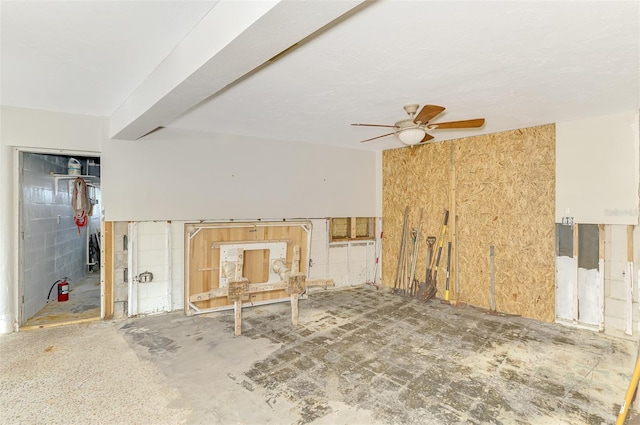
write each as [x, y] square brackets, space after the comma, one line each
[81, 220]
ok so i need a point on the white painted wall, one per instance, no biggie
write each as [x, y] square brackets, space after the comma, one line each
[35, 130]
[53, 130]
[378, 186]
[8, 291]
[598, 169]
[177, 175]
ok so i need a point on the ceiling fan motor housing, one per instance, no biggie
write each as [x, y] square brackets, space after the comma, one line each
[404, 124]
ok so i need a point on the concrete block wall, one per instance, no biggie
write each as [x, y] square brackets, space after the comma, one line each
[166, 291]
[52, 247]
[152, 256]
[121, 282]
[177, 267]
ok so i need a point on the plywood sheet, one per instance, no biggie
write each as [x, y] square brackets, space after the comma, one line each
[417, 177]
[202, 270]
[504, 197]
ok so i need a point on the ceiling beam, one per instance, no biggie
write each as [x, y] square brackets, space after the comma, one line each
[232, 40]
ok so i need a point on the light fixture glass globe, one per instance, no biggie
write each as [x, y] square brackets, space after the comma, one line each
[411, 136]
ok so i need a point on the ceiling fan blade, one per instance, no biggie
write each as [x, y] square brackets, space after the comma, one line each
[427, 113]
[426, 138]
[378, 137]
[478, 122]
[375, 125]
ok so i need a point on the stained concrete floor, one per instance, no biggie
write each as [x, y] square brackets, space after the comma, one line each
[358, 356]
[83, 304]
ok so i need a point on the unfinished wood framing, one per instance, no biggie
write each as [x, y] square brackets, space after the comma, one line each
[576, 277]
[629, 275]
[501, 188]
[601, 254]
[453, 221]
[108, 266]
[206, 285]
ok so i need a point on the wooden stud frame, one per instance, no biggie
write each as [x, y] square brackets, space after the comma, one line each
[601, 254]
[352, 232]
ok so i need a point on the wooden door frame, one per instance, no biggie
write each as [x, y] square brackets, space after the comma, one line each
[106, 265]
[18, 248]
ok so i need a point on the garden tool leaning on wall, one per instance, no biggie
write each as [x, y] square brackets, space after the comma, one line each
[428, 289]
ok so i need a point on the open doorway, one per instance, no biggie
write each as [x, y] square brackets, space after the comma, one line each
[59, 243]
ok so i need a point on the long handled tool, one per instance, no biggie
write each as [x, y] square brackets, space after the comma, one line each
[446, 287]
[630, 394]
[402, 249]
[414, 257]
[426, 290]
[440, 245]
[492, 289]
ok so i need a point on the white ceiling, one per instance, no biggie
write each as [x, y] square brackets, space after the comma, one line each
[517, 64]
[86, 57]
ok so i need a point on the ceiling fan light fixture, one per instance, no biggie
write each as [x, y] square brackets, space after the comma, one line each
[411, 136]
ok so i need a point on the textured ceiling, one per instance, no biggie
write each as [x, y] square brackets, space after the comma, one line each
[517, 64]
[86, 57]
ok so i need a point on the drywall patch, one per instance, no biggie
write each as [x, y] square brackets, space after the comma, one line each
[589, 296]
[565, 284]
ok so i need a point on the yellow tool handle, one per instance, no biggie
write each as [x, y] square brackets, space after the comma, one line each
[633, 384]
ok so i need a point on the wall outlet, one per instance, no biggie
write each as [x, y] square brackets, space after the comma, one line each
[145, 277]
[567, 221]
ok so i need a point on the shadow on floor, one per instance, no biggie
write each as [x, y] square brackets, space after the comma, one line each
[83, 304]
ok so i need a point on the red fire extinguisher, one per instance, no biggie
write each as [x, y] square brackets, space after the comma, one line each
[63, 290]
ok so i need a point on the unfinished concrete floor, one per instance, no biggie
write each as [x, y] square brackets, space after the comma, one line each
[83, 304]
[359, 356]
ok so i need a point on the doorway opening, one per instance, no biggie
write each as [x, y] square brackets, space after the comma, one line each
[59, 206]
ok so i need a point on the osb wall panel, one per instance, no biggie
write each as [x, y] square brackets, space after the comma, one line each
[417, 177]
[504, 196]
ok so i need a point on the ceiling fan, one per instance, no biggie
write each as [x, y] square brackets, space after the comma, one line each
[413, 130]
